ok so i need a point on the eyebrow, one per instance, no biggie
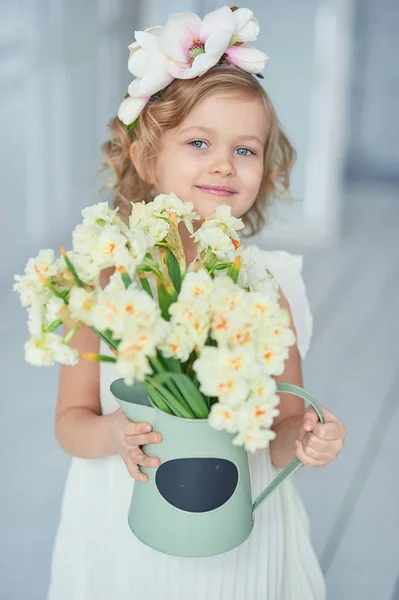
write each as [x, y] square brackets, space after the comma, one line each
[209, 130]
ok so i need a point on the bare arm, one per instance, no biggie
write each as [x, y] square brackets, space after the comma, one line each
[292, 409]
[80, 428]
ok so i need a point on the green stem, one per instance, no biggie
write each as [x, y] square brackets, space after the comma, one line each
[105, 338]
[70, 266]
[53, 325]
[70, 335]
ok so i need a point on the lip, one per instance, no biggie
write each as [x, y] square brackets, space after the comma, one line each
[217, 190]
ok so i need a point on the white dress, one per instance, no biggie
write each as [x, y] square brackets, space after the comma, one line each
[96, 556]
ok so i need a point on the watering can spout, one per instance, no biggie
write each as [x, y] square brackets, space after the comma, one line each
[134, 401]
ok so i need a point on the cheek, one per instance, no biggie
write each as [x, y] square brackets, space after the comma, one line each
[251, 176]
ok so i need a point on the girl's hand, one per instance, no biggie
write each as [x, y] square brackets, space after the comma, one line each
[319, 444]
[127, 437]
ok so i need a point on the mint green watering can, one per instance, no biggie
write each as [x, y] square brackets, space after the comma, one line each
[198, 502]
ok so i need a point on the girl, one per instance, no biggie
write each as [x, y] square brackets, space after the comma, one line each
[211, 139]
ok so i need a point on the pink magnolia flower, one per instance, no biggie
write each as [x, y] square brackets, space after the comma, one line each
[187, 47]
[247, 58]
[194, 46]
[148, 63]
[247, 27]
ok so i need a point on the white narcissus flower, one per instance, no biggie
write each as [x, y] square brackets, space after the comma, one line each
[223, 416]
[214, 238]
[109, 242]
[158, 229]
[30, 287]
[194, 46]
[222, 218]
[263, 387]
[84, 265]
[258, 413]
[178, 343]
[132, 363]
[271, 357]
[139, 214]
[139, 343]
[99, 214]
[224, 373]
[261, 306]
[31, 292]
[81, 303]
[36, 320]
[123, 311]
[44, 350]
[194, 315]
[254, 439]
[84, 238]
[141, 219]
[278, 330]
[165, 204]
[37, 352]
[196, 285]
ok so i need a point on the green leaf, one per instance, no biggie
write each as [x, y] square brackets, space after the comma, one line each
[165, 300]
[132, 125]
[146, 286]
[172, 364]
[106, 336]
[126, 279]
[189, 391]
[178, 408]
[174, 271]
[156, 397]
[70, 266]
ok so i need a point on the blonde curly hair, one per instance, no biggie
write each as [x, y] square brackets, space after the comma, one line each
[166, 112]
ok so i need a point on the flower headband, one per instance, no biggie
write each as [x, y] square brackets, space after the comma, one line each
[186, 48]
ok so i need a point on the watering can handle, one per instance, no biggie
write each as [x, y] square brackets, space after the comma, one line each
[296, 464]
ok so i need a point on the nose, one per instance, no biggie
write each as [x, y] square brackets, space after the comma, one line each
[222, 163]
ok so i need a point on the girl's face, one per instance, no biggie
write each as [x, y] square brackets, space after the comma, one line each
[216, 155]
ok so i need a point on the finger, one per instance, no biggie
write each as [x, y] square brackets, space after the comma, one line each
[144, 438]
[310, 419]
[146, 461]
[328, 431]
[135, 472]
[325, 456]
[132, 428]
[312, 441]
[307, 460]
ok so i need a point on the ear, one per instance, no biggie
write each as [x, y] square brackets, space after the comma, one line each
[135, 158]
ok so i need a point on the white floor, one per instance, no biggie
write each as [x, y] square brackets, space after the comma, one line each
[352, 368]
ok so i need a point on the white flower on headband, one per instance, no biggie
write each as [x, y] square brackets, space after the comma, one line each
[186, 48]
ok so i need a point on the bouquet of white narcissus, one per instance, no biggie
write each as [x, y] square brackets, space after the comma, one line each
[204, 341]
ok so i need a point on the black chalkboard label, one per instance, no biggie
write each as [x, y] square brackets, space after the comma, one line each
[197, 484]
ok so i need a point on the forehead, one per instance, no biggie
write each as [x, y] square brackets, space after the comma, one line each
[230, 113]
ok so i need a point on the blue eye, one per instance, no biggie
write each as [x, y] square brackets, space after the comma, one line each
[247, 150]
[197, 142]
